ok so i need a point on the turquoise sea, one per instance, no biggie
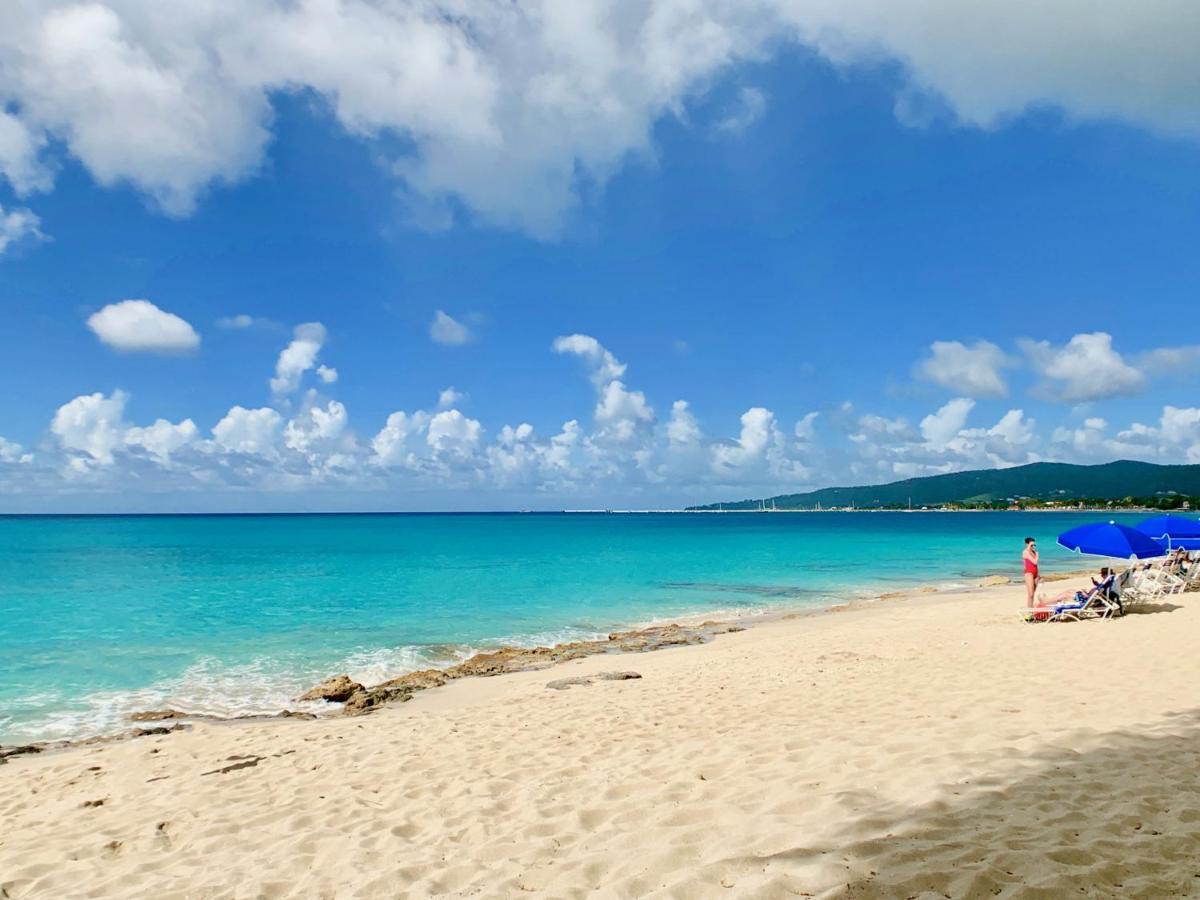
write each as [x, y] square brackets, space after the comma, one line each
[104, 615]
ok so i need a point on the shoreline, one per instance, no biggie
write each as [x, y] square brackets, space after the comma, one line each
[937, 744]
[506, 659]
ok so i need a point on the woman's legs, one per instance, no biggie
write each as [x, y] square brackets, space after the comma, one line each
[1030, 586]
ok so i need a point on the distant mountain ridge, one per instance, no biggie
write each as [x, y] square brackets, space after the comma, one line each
[1037, 481]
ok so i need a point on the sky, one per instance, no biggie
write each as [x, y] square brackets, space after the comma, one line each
[461, 254]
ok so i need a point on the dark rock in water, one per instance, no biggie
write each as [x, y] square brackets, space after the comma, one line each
[336, 689]
[157, 715]
[293, 714]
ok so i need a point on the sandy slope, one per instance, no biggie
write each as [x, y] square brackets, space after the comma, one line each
[928, 747]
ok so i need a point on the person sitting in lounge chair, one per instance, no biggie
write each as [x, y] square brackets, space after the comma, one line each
[1102, 602]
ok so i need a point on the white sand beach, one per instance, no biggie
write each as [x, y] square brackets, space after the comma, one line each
[934, 746]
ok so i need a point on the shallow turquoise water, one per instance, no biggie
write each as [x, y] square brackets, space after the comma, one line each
[100, 616]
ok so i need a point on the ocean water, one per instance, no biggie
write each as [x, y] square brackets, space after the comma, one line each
[101, 616]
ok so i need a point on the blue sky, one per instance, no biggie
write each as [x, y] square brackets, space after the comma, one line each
[855, 258]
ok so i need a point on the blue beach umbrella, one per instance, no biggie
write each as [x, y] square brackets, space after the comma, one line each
[1110, 539]
[1172, 531]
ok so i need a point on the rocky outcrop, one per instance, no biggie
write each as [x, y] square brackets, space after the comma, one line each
[521, 659]
[337, 689]
[157, 715]
[23, 750]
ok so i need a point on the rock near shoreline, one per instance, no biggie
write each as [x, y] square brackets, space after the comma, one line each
[510, 659]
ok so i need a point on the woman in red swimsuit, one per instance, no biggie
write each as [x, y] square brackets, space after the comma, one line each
[1030, 556]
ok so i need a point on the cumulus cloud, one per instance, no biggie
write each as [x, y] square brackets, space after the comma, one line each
[515, 111]
[17, 225]
[327, 374]
[92, 428]
[297, 357]
[973, 371]
[448, 331]
[450, 397]
[12, 452]
[92, 424]
[603, 366]
[1087, 368]
[391, 443]
[315, 425]
[1175, 437]
[621, 414]
[624, 451]
[451, 432]
[939, 428]
[19, 149]
[251, 431]
[138, 326]
[806, 428]
[890, 448]
[163, 438]
[682, 428]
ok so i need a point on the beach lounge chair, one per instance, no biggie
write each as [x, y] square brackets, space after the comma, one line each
[1101, 602]
[1149, 584]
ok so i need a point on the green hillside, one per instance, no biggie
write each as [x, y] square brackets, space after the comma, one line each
[1037, 481]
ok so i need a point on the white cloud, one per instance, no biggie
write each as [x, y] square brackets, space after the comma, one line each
[391, 443]
[12, 452]
[941, 427]
[758, 425]
[19, 149]
[137, 94]
[604, 366]
[869, 427]
[749, 108]
[515, 109]
[625, 453]
[971, 371]
[682, 428]
[93, 428]
[251, 431]
[16, 225]
[621, 415]
[450, 432]
[450, 397]
[327, 374]
[138, 326]
[92, 424]
[162, 438]
[445, 329]
[298, 357]
[315, 425]
[806, 428]
[1087, 368]
[889, 448]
